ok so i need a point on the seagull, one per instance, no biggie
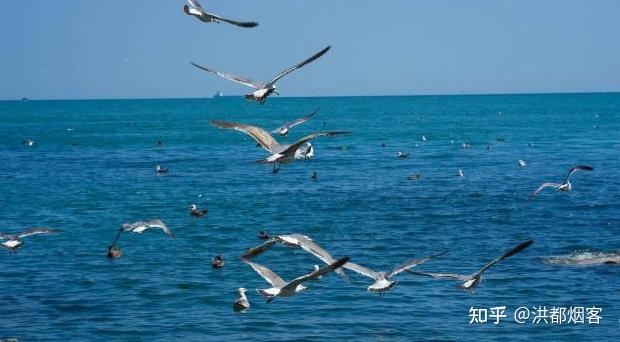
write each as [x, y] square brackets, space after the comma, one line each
[383, 281]
[460, 173]
[417, 176]
[218, 262]
[263, 90]
[194, 211]
[281, 288]
[400, 154]
[314, 176]
[159, 169]
[138, 228]
[466, 145]
[194, 8]
[566, 186]
[470, 282]
[13, 241]
[242, 303]
[294, 240]
[284, 129]
[28, 142]
[424, 138]
[522, 163]
[280, 154]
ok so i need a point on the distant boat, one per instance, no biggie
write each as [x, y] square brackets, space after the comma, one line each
[220, 94]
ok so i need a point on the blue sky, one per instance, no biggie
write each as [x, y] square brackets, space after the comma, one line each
[142, 49]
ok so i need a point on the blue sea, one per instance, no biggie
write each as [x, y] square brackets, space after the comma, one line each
[91, 169]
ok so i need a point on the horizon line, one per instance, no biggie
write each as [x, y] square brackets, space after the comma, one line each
[26, 99]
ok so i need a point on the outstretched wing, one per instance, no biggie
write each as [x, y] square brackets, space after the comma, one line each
[321, 271]
[291, 69]
[35, 231]
[441, 276]
[255, 251]
[231, 77]
[267, 274]
[515, 250]
[247, 24]
[412, 263]
[543, 186]
[361, 270]
[294, 147]
[296, 121]
[260, 135]
[150, 224]
[578, 168]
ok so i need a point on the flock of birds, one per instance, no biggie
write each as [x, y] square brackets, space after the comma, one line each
[279, 153]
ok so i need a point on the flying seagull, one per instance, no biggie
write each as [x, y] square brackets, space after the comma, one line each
[284, 129]
[566, 186]
[383, 281]
[13, 241]
[281, 288]
[242, 303]
[470, 282]
[294, 240]
[280, 154]
[263, 90]
[194, 8]
[138, 228]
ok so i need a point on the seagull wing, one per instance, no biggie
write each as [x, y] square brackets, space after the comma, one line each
[361, 270]
[253, 252]
[260, 135]
[578, 168]
[267, 274]
[247, 24]
[231, 77]
[321, 271]
[35, 231]
[294, 147]
[412, 263]
[195, 4]
[150, 224]
[543, 186]
[441, 276]
[311, 247]
[515, 250]
[293, 68]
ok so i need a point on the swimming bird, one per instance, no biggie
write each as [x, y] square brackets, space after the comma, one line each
[400, 154]
[242, 303]
[566, 186]
[521, 163]
[194, 211]
[459, 173]
[314, 176]
[417, 176]
[466, 145]
[28, 142]
[263, 90]
[114, 252]
[263, 235]
[284, 129]
[159, 169]
[383, 280]
[218, 262]
[470, 282]
[281, 288]
[424, 138]
[280, 154]
[12, 242]
[194, 8]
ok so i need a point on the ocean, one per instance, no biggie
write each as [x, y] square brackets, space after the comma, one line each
[91, 169]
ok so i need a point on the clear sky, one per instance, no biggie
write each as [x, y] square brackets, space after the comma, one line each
[142, 49]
